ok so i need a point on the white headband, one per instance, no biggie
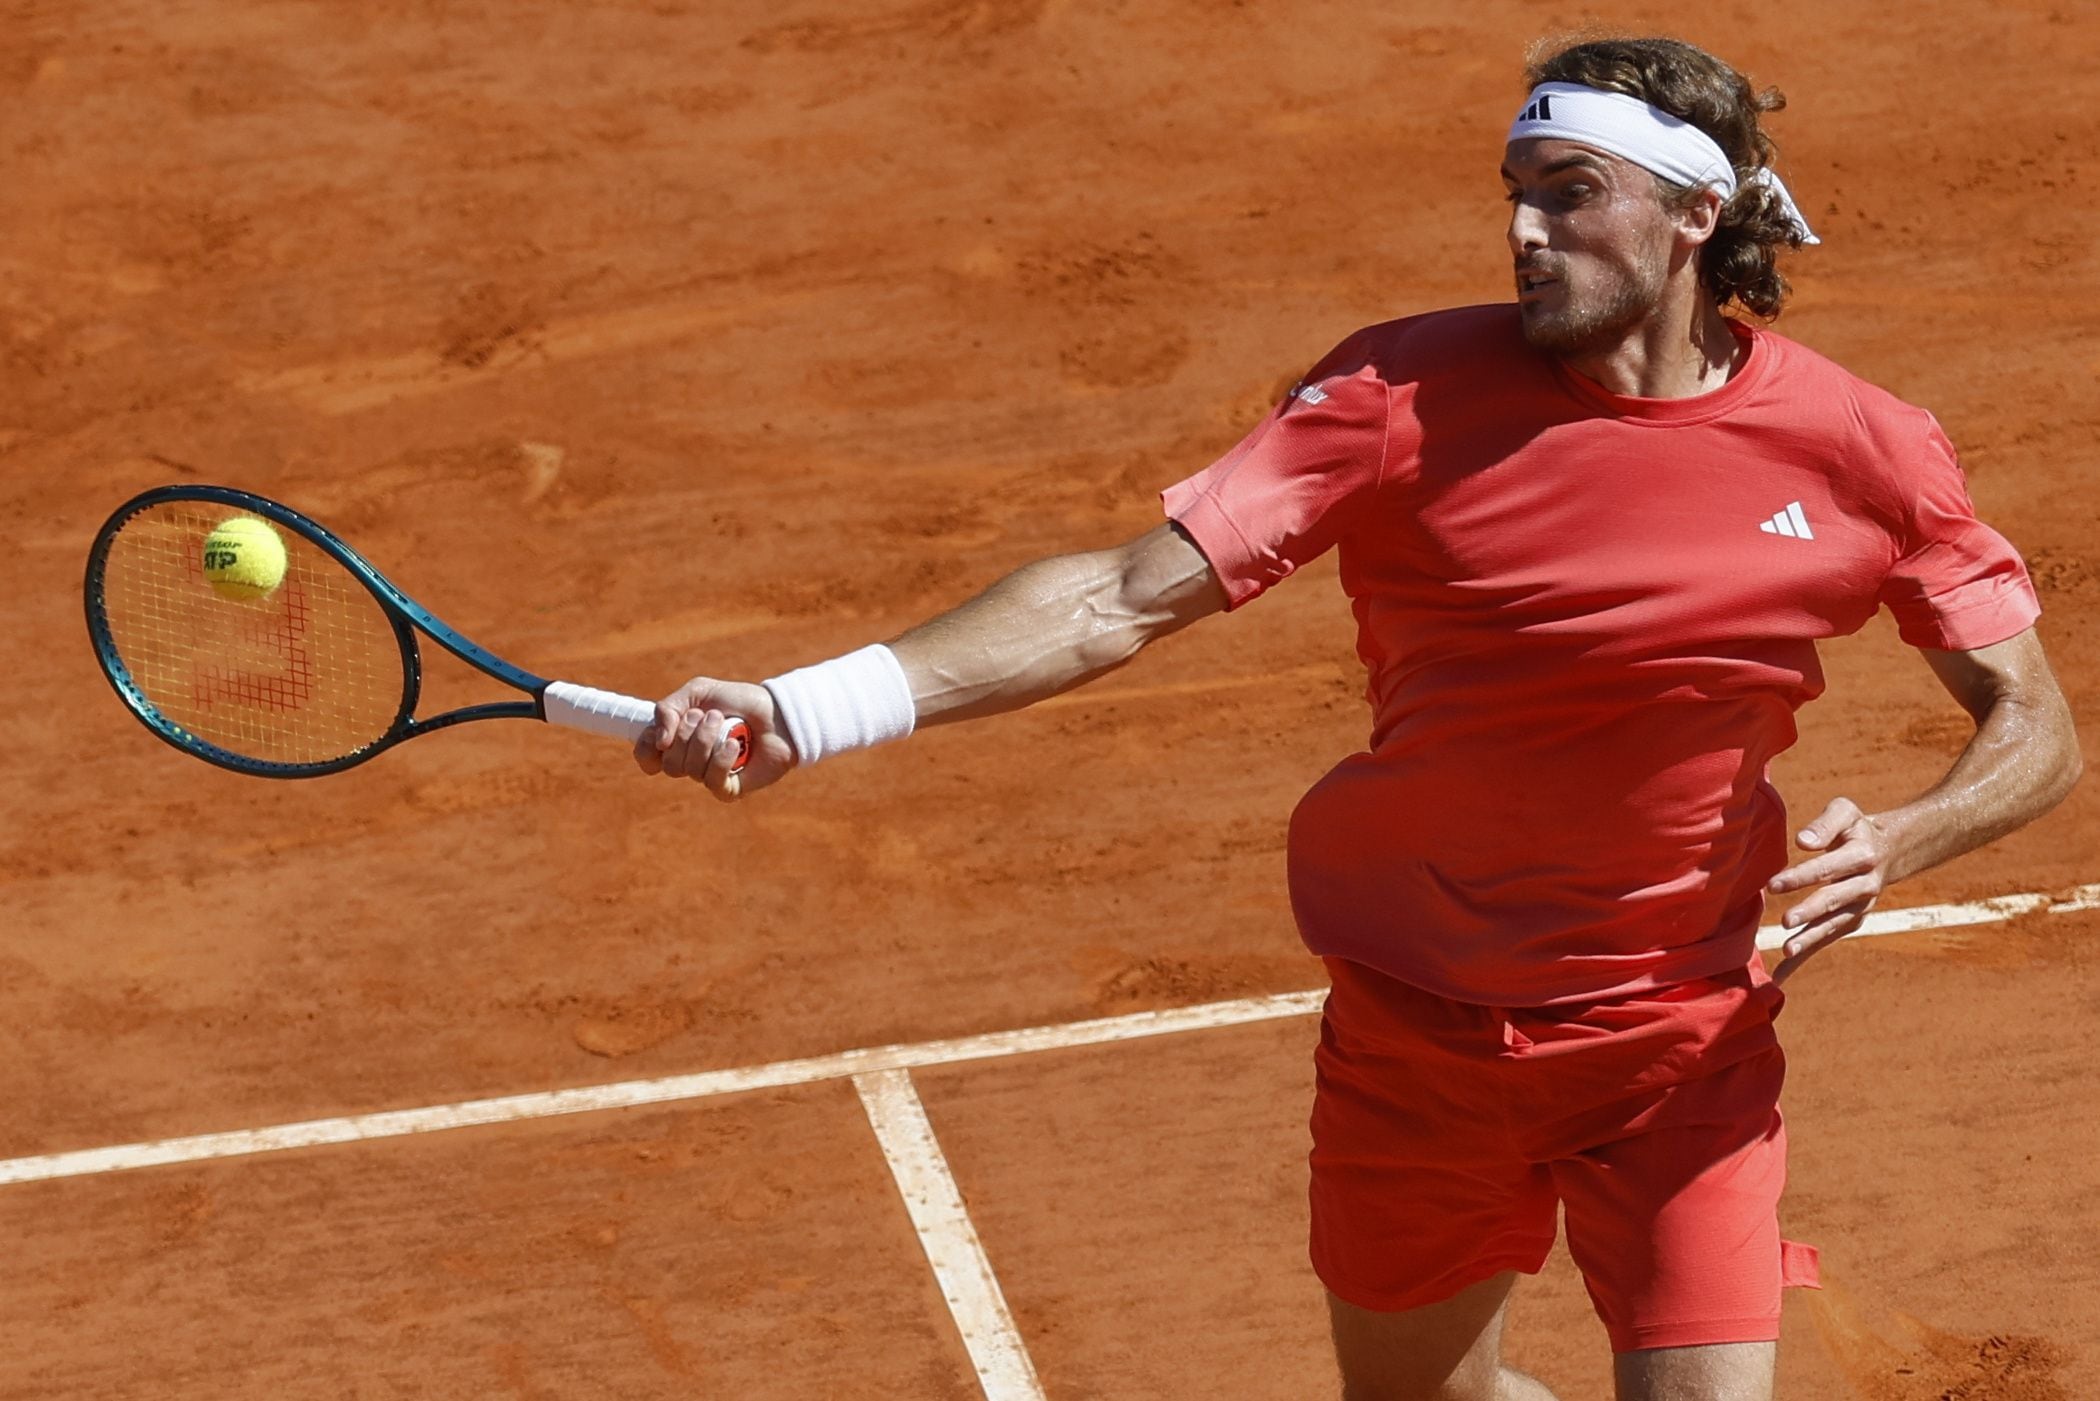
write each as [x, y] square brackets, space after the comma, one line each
[1651, 138]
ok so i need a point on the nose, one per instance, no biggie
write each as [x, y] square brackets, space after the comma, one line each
[1527, 228]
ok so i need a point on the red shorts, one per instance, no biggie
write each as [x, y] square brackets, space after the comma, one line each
[1447, 1134]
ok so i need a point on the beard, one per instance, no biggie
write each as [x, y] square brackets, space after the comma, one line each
[1595, 317]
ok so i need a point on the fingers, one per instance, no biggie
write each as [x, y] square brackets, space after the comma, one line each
[693, 735]
[663, 732]
[661, 735]
[1836, 833]
[686, 755]
[721, 774]
[701, 749]
[1859, 892]
[1848, 860]
[1851, 869]
[1821, 934]
[661, 747]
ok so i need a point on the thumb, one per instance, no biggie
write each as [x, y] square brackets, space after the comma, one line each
[1834, 819]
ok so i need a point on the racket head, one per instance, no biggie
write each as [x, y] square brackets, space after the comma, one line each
[319, 674]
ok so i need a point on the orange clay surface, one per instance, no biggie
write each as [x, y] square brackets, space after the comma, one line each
[641, 339]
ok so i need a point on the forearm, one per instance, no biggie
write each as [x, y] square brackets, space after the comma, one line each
[2022, 761]
[1050, 626]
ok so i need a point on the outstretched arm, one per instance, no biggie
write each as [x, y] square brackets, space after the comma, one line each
[1055, 624]
[1045, 628]
[2022, 761]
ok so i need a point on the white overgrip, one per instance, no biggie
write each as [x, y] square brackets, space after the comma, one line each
[597, 712]
[615, 716]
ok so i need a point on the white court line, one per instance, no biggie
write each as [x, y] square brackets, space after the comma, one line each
[631, 1093]
[945, 1232]
[1991, 911]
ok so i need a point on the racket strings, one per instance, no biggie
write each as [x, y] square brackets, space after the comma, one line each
[309, 673]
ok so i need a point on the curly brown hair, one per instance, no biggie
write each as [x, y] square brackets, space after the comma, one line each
[1740, 262]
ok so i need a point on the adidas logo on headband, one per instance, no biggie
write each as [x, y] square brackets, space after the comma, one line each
[1539, 111]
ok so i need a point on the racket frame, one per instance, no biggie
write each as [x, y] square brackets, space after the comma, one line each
[406, 616]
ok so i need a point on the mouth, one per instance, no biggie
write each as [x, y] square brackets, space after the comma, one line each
[1530, 284]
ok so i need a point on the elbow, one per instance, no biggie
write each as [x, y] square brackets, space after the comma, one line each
[2074, 753]
[2073, 768]
[2069, 765]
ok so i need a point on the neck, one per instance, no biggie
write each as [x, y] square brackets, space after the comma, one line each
[1680, 349]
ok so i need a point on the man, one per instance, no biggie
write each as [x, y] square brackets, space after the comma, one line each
[1591, 540]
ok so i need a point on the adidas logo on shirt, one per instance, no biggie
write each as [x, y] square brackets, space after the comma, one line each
[1790, 523]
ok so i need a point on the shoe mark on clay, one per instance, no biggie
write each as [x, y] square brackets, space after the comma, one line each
[2060, 571]
[367, 499]
[1120, 980]
[1098, 275]
[231, 82]
[493, 788]
[700, 100]
[176, 1216]
[648, 1316]
[484, 322]
[494, 341]
[507, 1361]
[543, 464]
[1125, 293]
[1943, 733]
[941, 19]
[1133, 357]
[671, 632]
[615, 1031]
[951, 526]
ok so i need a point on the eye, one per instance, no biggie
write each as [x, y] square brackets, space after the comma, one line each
[1575, 190]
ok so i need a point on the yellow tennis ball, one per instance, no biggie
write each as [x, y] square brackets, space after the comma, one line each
[244, 558]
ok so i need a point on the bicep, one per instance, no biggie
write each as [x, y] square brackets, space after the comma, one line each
[1166, 582]
[2014, 671]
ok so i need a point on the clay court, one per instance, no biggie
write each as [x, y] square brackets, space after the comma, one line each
[644, 339]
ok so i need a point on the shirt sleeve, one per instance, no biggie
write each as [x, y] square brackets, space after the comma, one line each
[1295, 485]
[1958, 584]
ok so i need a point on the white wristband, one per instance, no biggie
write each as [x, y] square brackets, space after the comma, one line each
[849, 702]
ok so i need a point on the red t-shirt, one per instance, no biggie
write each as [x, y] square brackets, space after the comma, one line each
[1588, 621]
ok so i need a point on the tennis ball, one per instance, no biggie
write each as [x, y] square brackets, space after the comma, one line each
[244, 558]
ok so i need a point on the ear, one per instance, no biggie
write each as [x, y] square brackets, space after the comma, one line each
[1699, 221]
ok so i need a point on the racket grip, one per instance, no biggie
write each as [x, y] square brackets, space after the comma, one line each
[616, 716]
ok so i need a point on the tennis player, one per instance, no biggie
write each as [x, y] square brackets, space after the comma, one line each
[1592, 538]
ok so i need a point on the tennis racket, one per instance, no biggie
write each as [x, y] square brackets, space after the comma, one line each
[312, 676]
